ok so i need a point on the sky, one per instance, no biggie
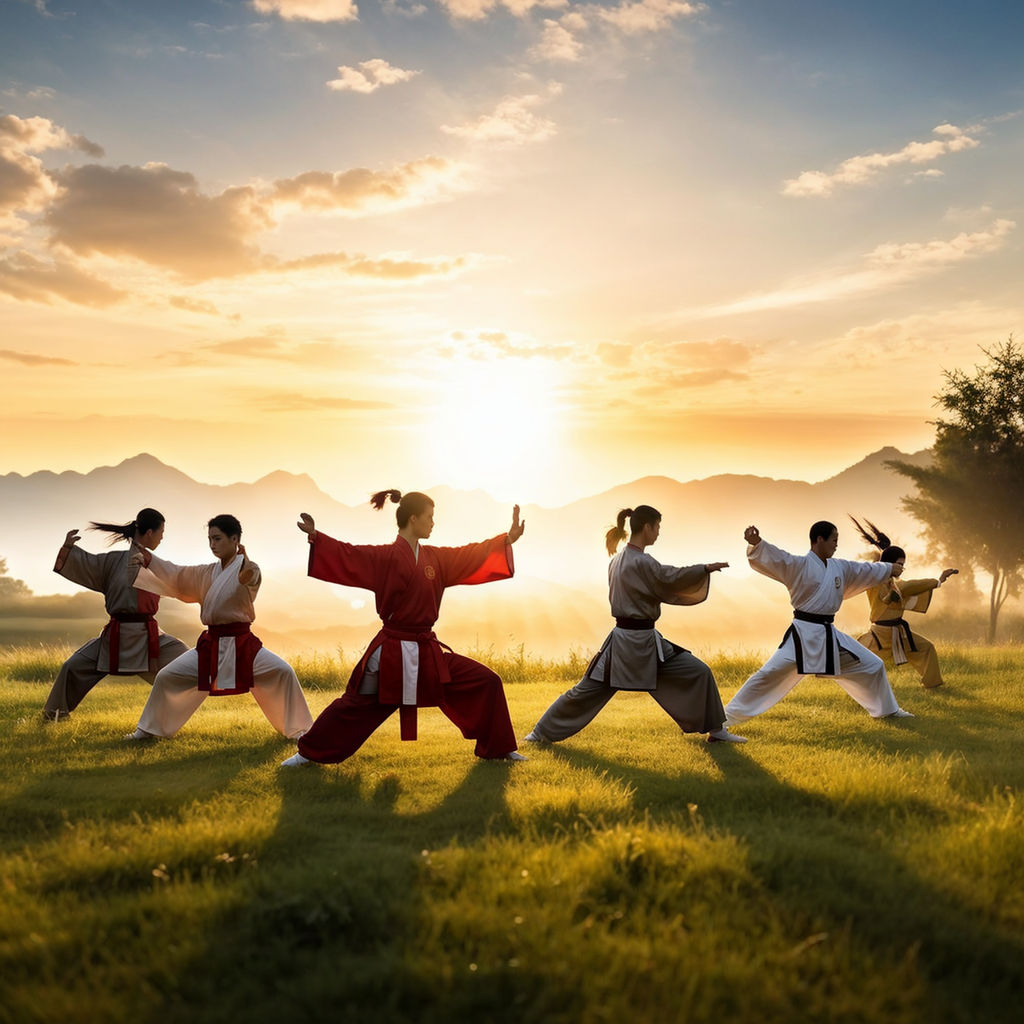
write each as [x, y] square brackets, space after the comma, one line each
[536, 248]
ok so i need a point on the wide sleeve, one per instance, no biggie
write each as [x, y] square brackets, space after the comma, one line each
[82, 567]
[185, 582]
[353, 565]
[253, 578]
[773, 562]
[861, 576]
[917, 594]
[477, 563]
[685, 586]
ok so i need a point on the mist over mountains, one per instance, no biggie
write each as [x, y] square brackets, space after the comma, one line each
[556, 601]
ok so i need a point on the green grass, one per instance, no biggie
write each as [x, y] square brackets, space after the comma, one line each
[835, 868]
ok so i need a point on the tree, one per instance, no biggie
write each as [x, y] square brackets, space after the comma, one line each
[971, 498]
[10, 588]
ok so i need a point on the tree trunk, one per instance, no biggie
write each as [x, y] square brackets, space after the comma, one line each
[996, 597]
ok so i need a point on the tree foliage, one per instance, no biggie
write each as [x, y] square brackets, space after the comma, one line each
[971, 498]
[11, 588]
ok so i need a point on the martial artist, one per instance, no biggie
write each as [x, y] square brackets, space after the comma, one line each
[131, 643]
[406, 666]
[890, 634]
[228, 658]
[635, 656]
[817, 584]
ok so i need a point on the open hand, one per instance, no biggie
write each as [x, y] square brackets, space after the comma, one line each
[515, 531]
[72, 538]
[715, 567]
[306, 524]
[946, 573]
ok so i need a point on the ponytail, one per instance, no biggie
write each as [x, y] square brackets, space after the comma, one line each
[638, 517]
[413, 503]
[617, 534]
[147, 519]
[874, 536]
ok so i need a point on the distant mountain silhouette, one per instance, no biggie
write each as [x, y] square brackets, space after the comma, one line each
[560, 586]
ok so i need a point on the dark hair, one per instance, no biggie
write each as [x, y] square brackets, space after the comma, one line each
[823, 529]
[413, 503]
[228, 525]
[638, 517]
[147, 519]
[873, 535]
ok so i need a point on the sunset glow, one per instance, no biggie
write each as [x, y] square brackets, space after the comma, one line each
[534, 248]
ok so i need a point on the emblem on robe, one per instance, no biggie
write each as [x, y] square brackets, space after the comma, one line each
[428, 571]
[839, 583]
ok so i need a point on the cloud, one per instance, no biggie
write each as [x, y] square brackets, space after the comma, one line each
[158, 215]
[298, 401]
[614, 354]
[861, 169]
[887, 265]
[475, 10]
[28, 359]
[369, 76]
[488, 344]
[383, 268]
[513, 122]
[309, 10]
[194, 305]
[361, 190]
[28, 278]
[718, 354]
[669, 382]
[557, 42]
[648, 15]
[25, 185]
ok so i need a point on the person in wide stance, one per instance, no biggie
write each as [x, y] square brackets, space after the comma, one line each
[817, 584]
[131, 643]
[890, 633]
[406, 666]
[229, 658]
[635, 656]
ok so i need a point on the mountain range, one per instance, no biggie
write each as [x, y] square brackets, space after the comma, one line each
[560, 586]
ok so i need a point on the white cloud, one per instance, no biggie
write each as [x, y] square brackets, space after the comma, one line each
[512, 123]
[369, 76]
[557, 42]
[648, 15]
[860, 169]
[886, 266]
[309, 10]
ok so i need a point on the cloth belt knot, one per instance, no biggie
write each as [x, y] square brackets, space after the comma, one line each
[900, 624]
[428, 643]
[247, 645]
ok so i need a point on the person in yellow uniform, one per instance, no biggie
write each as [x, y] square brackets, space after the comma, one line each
[890, 634]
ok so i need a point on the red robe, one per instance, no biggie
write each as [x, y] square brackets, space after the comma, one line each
[408, 591]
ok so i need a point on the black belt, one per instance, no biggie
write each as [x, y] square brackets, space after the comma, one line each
[821, 620]
[900, 624]
[634, 623]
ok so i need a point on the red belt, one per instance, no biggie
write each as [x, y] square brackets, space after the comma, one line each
[112, 630]
[246, 648]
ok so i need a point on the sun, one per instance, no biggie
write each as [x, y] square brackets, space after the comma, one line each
[500, 426]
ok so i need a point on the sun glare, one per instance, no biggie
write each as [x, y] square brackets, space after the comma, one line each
[499, 427]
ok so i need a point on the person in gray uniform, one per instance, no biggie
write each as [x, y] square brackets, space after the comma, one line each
[131, 643]
[635, 656]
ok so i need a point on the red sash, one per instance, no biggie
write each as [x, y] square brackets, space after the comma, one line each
[208, 647]
[432, 675]
[112, 631]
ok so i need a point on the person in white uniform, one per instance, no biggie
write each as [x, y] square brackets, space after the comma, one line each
[818, 583]
[229, 658]
[635, 656]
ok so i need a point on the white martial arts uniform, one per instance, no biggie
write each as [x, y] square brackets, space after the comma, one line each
[223, 600]
[817, 589]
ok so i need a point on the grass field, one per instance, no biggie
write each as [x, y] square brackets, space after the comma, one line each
[835, 868]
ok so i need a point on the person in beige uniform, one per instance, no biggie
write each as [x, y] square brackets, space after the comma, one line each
[635, 656]
[131, 643]
[890, 635]
[228, 659]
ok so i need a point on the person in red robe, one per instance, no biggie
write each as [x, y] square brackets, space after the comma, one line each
[406, 667]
